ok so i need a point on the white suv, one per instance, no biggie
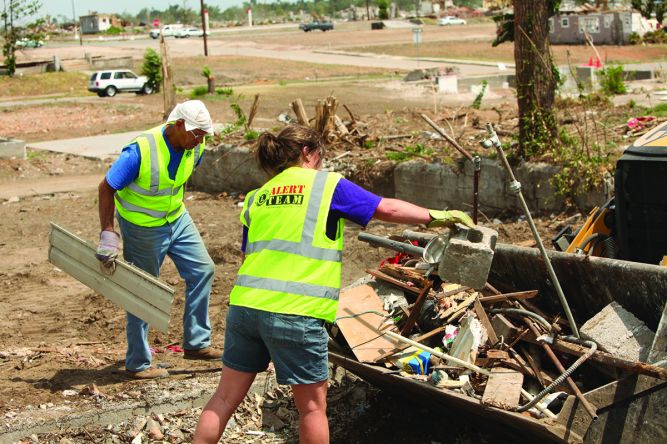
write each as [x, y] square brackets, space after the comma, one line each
[110, 82]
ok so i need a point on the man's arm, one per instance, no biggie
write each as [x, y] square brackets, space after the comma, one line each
[106, 205]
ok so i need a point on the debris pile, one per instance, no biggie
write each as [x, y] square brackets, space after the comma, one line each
[464, 336]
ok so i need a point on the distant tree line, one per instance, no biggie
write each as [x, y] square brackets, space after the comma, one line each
[266, 11]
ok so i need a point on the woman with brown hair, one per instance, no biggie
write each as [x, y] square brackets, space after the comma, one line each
[288, 284]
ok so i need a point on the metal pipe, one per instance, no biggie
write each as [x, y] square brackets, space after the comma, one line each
[466, 364]
[402, 247]
[590, 408]
[477, 167]
[593, 347]
[522, 312]
[515, 187]
[422, 238]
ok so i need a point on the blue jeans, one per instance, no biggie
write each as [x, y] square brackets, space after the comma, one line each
[146, 247]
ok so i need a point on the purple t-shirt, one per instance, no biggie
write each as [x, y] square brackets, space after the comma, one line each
[126, 168]
[350, 201]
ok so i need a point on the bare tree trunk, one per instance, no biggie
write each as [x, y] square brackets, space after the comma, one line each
[535, 77]
[169, 94]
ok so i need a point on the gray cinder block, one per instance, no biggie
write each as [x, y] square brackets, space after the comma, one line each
[467, 256]
[12, 148]
[619, 332]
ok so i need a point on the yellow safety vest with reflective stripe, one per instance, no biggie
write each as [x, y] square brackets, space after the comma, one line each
[154, 199]
[291, 266]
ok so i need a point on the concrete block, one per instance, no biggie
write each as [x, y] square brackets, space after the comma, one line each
[467, 256]
[12, 148]
[504, 328]
[619, 332]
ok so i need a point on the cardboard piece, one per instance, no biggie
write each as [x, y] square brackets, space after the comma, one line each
[361, 332]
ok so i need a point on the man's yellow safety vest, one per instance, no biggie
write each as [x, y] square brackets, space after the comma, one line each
[291, 266]
[154, 199]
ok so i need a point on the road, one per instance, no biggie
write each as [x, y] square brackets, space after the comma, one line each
[285, 42]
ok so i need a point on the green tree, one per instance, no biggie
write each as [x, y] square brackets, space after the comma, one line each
[648, 7]
[152, 68]
[13, 12]
[383, 6]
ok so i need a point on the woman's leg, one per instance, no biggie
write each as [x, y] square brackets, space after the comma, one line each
[311, 401]
[233, 387]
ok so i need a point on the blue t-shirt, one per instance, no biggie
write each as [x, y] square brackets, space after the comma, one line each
[126, 168]
[350, 201]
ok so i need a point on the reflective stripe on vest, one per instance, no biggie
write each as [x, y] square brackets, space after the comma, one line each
[263, 285]
[147, 204]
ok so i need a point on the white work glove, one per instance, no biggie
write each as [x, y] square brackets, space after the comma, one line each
[107, 249]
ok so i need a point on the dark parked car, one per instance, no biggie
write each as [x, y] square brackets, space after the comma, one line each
[322, 26]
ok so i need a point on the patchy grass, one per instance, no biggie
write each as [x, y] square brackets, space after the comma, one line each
[44, 84]
[236, 70]
[482, 50]
[659, 110]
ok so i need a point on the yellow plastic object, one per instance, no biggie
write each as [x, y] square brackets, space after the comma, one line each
[593, 225]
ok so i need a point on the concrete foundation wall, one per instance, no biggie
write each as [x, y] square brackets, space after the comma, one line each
[110, 63]
[433, 185]
[12, 148]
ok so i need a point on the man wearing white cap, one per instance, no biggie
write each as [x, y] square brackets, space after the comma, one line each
[146, 187]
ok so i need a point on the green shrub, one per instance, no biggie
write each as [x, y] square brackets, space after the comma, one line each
[224, 91]
[152, 68]
[198, 92]
[658, 36]
[114, 31]
[477, 103]
[206, 72]
[634, 39]
[611, 80]
[251, 135]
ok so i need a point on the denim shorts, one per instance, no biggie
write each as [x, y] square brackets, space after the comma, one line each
[297, 345]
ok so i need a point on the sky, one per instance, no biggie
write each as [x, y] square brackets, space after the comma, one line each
[55, 8]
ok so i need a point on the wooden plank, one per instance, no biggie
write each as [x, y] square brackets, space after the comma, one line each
[503, 388]
[416, 309]
[361, 330]
[508, 296]
[484, 319]
[380, 275]
[131, 288]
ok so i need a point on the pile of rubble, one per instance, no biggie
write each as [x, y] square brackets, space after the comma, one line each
[429, 315]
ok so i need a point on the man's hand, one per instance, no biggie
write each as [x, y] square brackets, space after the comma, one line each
[444, 218]
[107, 249]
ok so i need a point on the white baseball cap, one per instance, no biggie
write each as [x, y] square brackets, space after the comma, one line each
[195, 115]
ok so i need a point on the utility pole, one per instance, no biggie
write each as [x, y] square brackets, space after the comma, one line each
[80, 30]
[204, 13]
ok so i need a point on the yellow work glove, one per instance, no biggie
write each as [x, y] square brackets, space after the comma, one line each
[445, 218]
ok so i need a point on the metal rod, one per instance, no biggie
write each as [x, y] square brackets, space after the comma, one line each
[515, 187]
[477, 166]
[593, 347]
[402, 247]
[590, 408]
[466, 364]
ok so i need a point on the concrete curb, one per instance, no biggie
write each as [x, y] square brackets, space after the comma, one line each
[166, 398]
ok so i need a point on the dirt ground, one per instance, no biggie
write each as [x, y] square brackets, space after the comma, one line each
[57, 335]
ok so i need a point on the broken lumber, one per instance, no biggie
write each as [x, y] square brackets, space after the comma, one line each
[380, 275]
[636, 367]
[508, 296]
[300, 112]
[503, 389]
